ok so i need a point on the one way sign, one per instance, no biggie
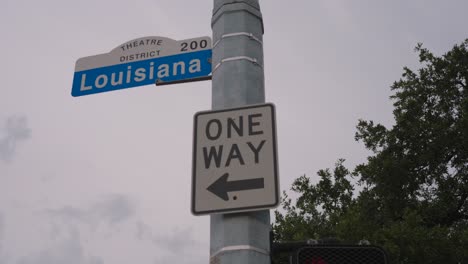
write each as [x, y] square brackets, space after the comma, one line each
[235, 165]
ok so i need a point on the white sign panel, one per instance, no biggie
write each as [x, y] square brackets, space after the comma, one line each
[235, 160]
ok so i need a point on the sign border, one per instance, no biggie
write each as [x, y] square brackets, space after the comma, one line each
[275, 161]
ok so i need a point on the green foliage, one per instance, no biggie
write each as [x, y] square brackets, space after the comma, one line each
[318, 209]
[413, 199]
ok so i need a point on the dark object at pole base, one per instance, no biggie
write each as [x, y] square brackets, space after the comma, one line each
[336, 254]
[328, 251]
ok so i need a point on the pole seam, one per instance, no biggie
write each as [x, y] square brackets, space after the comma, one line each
[248, 34]
[239, 248]
[253, 60]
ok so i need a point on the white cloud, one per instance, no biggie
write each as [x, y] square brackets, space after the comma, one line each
[73, 229]
[69, 251]
[181, 258]
[143, 231]
[15, 130]
[177, 245]
[112, 210]
[178, 240]
[2, 228]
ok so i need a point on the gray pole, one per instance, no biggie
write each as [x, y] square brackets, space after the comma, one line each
[238, 80]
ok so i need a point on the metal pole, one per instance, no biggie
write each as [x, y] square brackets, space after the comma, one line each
[238, 80]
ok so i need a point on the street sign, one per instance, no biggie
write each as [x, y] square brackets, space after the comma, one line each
[143, 61]
[235, 166]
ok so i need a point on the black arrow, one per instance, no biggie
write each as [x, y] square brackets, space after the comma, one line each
[221, 186]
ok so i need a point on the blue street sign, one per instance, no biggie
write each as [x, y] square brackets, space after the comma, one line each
[141, 62]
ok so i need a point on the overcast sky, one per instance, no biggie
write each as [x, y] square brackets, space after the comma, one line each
[106, 178]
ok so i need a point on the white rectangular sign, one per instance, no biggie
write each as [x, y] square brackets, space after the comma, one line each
[235, 164]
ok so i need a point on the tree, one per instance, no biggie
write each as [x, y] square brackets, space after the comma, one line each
[414, 187]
